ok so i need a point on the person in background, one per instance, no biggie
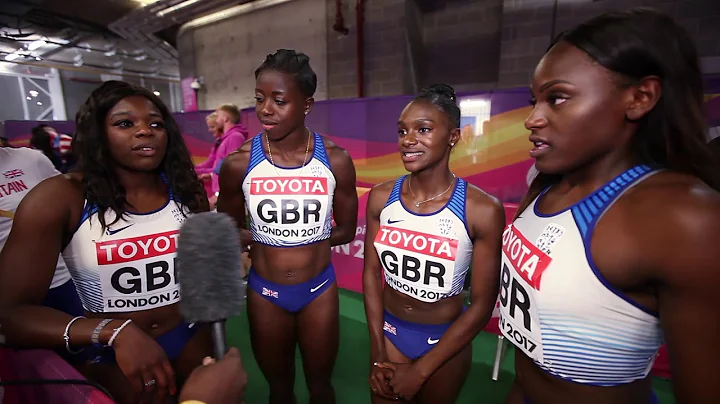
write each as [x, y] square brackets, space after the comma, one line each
[21, 169]
[59, 150]
[4, 142]
[116, 221]
[293, 182]
[614, 249]
[420, 330]
[41, 141]
[234, 134]
[206, 168]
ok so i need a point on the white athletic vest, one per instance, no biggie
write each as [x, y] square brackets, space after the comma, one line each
[21, 170]
[425, 256]
[289, 206]
[131, 265]
[557, 308]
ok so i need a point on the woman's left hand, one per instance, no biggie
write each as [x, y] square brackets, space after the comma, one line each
[406, 380]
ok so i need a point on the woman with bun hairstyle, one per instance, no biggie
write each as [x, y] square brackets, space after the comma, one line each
[425, 231]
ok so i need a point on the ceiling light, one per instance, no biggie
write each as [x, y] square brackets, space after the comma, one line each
[157, 93]
[33, 93]
[12, 56]
[28, 98]
[36, 44]
[39, 103]
[176, 7]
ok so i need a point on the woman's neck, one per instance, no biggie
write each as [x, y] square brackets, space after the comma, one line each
[138, 183]
[599, 172]
[430, 183]
[293, 141]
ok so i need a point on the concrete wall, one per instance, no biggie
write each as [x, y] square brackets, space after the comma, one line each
[529, 25]
[227, 53]
[470, 44]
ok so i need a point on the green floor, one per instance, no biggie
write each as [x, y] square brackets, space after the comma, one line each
[352, 365]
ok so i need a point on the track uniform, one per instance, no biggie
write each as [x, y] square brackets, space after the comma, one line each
[559, 310]
[425, 256]
[129, 267]
[290, 207]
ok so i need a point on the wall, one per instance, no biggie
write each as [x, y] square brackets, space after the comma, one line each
[471, 44]
[410, 44]
[529, 25]
[227, 53]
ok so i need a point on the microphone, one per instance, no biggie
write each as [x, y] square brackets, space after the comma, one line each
[208, 270]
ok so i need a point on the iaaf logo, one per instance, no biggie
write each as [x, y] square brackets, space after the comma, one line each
[426, 244]
[137, 248]
[289, 186]
[529, 262]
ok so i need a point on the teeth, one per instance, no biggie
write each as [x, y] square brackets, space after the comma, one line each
[413, 154]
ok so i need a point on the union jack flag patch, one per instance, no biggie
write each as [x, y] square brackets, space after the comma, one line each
[13, 173]
[389, 328]
[268, 292]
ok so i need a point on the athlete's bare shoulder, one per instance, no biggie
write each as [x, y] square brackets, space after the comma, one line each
[236, 163]
[335, 152]
[671, 193]
[379, 194]
[477, 198]
[674, 222]
[62, 188]
[484, 213]
[246, 147]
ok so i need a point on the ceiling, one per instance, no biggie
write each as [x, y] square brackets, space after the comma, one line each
[108, 36]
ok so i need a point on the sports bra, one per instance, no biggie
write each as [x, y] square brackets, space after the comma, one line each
[289, 206]
[425, 256]
[559, 310]
[131, 265]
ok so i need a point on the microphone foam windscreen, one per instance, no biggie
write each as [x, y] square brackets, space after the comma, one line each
[209, 263]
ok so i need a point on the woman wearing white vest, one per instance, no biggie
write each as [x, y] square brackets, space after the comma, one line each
[424, 233]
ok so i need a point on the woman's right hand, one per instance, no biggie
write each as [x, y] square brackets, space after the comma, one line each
[144, 363]
[380, 381]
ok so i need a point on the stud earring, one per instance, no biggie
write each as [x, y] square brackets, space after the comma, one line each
[452, 144]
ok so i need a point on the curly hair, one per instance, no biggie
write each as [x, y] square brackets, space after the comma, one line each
[100, 183]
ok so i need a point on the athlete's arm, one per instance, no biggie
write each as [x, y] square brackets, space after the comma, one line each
[232, 199]
[373, 272]
[345, 200]
[683, 252]
[27, 265]
[486, 221]
[372, 291]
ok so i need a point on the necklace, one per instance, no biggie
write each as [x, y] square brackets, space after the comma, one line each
[307, 149]
[417, 204]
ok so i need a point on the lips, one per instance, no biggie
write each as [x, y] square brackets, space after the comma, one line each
[268, 124]
[540, 146]
[410, 156]
[145, 149]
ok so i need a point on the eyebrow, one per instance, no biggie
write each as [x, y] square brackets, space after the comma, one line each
[122, 113]
[552, 83]
[418, 120]
[276, 92]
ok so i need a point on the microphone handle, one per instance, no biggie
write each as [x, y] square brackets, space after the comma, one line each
[217, 329]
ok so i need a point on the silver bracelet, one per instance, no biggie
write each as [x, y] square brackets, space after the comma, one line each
[117, 331]
[66, 336]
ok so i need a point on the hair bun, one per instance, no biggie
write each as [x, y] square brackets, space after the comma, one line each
[442, 90]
